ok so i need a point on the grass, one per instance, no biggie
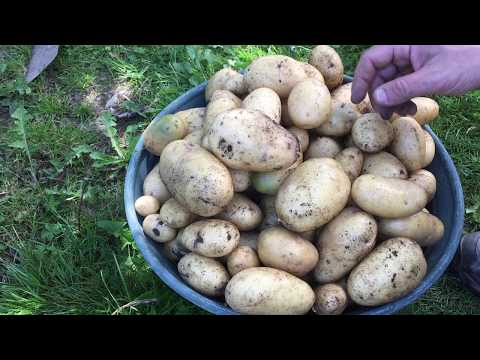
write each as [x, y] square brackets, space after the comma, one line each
[65, 247]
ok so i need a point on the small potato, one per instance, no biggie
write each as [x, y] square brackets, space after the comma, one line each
[158, 230]
[390, 271]
[351, 160]
[226, 79]
[312, 72]
[285, 250]
[249, 239]
[429, 149]
[211, 238]
[340, 121]
[427, 110]
[242, 212]
[323, 147]
[225, 94]
[265, 100]
[243, 257]
[343, 95]
[175, 215]
[206, 275]
[371, 133]
[241, 180]
[173, 250]
[270, 218]
[408, 144]
[388, 197]
[153, 185]
[426, 180]
[384, 164]
[195, 137]
[147, 205]
[309, 104]
[424, 228]
[267, 291]
[193, 118]
[217, 107]
[286, 120]
[330, 299]
[302, 137]
[326, 60]
[161, 131]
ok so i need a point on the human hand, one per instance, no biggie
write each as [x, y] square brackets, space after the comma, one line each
[394, 74]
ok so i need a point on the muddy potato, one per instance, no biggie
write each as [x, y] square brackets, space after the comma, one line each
[175, 215]
[408, 144]
[302, 137]
[429, 149]
[312, 72]
[225, 79]
[351, 160]
[265, 100]
[173, 250]
[147, 205]
[323, 147]
[158, 230]
[206, 275]
[270, 218]
[286, 121]
[384, 164]
[330, 299]
[312, 195]
[343, 243]
[285, 250]
[193, 118]
[390, 271]
[277, 72]
[196, 178]
[340, 121]
[326, 60]
[309, 104]
[153, 185]
[242, 212]
[225, 94]
[371, 133]
[241, 180]
[343, 95]
[216, 107]
[194, 137]
[426, 180]
[243, 257]
[160, 132]
[248, 140]
[267, 291]
[388, 197]
[427, 110]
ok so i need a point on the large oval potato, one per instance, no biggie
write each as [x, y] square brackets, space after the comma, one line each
[340, 121]
[248, 140]
[426, 180]
[196, 178]
[424, 228]
[206, 275]
[351, 160]
[390, 271]
[323, 147]
[285, 250]
[153, 185]
[173, 249]
[384, 164]
[388, 197]
[429, 149]
[265, 100]
[175, 215]
[241, 180]
[326, 60]
[343, 243]
[243, 257]
[242, 212]
[408, 144]
[226, 79]
[427, 110]
[193, 118]
[277, 72]
[371, 133]
[302, 137]
[312, 195]
[216, 107]
[312, 72]
[343, 95]
[267, 291]
[157, 229]
[160, 132]
[309, 104]
[270, 218]
[330, 299]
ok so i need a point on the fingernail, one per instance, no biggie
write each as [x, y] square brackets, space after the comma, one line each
[380, 96]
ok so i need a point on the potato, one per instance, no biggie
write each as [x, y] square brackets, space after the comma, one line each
[175, 215]
[248, 140]
[424, 228]
[160, 132]
[312, 72]
[157, 230]
[270, 218]
[384, 164]
[326, 60]
[146, 205]
[265, 100]
[196, 178]
[312, 195]
[194, 137]
[309, 104]
[429, 149]
[225, 79]
[351, 160]
[211, 237]
[242, 212]
[323, 147]
[426, 180]
[173, 250]
[277, 72]
[243, 257]
[206, 275]
[427, 110]
[330, 299]
[267, 291]
[408, 144]
[371, 133]
[241, 180]
[286, 120]
[285, 250]
[343, 243]
[302, 137]
[153, 185]
[390, 271]
[225, 94]
[308, 235]
[343, 95]
[340, 121]
[193, 118]
[217, 107]
[388, 197]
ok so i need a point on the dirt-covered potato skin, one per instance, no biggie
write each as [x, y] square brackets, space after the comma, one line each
[146, 205]
[340, 120]
[302, 137]
[330, 299]
[390, 271]
[343, 95]
[216, 107]
[326, 60]
[426, 180]
[226, 79]
[384, 164]
[323, 147]
[153, 185]
[207, 276]
[265, 100]
[193, 118]
[157, 229]
[242, 212]
[175, 215]
[267, 291]
[351, 160]
[371, 133]
[312, 72]
[241, 258]
[408, 144]
[241, 180]
[160, 132]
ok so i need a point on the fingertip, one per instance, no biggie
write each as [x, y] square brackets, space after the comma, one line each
[380, 96]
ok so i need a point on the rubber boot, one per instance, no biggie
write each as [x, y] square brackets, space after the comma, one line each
[466, 264]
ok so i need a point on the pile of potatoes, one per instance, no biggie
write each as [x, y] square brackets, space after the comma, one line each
[281, 196]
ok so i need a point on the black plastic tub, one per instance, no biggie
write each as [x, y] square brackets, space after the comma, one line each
[448, 205]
